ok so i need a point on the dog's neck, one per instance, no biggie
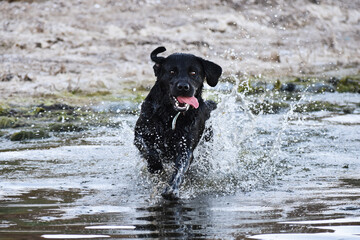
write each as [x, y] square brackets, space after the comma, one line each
[165, 102]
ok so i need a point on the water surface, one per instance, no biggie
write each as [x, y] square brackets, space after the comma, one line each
[267, 176]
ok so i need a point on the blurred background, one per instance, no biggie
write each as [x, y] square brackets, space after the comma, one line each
[53, 46]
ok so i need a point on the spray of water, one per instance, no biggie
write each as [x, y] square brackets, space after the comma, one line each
[243, 154]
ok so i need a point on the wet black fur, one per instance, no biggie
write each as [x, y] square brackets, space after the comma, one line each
[154, 137]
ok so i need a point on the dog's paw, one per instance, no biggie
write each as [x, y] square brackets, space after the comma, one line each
[170, 193]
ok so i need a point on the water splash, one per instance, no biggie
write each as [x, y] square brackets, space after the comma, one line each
[245, 152]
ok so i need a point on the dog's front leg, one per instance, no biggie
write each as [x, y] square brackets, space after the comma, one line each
[182, 164]
[149, 152]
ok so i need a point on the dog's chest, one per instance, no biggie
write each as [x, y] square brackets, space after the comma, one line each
[169, 136]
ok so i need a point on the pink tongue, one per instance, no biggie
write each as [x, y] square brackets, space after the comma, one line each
[189, 100]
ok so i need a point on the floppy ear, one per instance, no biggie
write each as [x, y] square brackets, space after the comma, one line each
[212, 72]
[158, 60]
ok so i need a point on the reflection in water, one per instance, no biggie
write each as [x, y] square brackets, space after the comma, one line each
[262, 177]
[178, 220]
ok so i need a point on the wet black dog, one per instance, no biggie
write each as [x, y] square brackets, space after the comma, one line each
[173, 115]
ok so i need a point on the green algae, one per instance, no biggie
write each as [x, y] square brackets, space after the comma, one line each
[138, 98]
[349, 84]
[255, 85]
[80, 97]
[74, 112]
[277, 85]
[98, 93]
[267, 107]
[3, 111]
[10, 122]
[248, 87]
[316, 106]
[39, 110]
[26, 135]
[6, 122]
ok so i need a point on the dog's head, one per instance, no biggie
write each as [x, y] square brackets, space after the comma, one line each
[184, 75]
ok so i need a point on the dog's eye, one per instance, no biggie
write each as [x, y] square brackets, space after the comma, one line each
[172, 72]
[192, 73]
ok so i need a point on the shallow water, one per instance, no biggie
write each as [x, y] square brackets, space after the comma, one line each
[265, 176]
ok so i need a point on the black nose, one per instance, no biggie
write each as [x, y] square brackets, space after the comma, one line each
[183, 86]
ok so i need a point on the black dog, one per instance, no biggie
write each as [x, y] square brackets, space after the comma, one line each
[173, 115]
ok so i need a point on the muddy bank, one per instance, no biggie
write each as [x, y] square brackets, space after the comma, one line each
[48, 47]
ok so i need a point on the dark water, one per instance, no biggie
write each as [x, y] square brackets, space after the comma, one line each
[268, 176]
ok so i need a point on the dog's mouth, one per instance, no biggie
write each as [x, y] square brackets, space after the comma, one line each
[182, 104]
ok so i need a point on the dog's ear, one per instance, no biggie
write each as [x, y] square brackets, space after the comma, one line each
[158, 60]
[212, 72]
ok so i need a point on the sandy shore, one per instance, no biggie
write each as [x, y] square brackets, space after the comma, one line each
[49, 47]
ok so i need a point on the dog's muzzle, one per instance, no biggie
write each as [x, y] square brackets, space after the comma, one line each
[182, 103]
[180, 107]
